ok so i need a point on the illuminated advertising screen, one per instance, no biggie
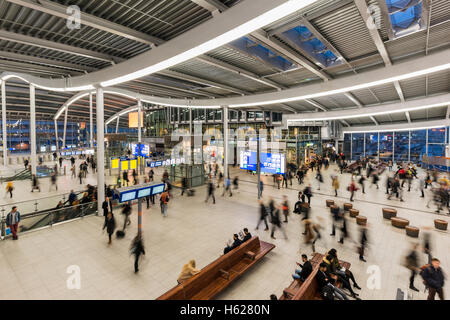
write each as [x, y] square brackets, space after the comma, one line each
[114, 163]
[248, 160]
[133, 164]
[145, 149]
[124, 165]
[273, 163]
[133, 119]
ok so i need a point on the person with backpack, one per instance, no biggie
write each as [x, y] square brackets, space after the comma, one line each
[163, 202]
[433, 277]
[12, 221]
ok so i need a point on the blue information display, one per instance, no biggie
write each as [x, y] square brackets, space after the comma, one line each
[145, 149]
[158, 189]
[128, 196]
[138, 191]
[248, 160]
[273, 163]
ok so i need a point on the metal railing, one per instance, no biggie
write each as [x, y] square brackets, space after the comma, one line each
[38, 220]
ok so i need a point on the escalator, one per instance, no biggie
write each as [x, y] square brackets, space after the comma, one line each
[21, 175]
[47, 217]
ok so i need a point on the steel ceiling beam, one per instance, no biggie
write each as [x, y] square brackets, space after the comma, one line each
[211, 5]
[248, 74]
[186, 77]
[45, 61]
[59, 10]
[289, 53]
[317, 105]
[408, 116]
[37, 42]
[353, 99]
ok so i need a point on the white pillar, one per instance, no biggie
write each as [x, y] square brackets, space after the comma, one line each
[139, 121]
[5, 140]
[56, 134]
[100, 150]
[139, 133]
[225, 141]
[33, 129]
[117, 124]
[91, 124]
[65, 127]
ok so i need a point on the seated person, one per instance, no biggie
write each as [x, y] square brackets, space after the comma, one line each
[247, 235]
[325, 283]
[305, 269]
[188, 271]
[343, 275]
[235, 244]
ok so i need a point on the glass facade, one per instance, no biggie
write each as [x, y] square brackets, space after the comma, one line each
[371, 144]
[403, 145]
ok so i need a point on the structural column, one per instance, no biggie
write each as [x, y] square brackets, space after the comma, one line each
[117, 124]
[100, 150]
[225, 142]
[33, 129]
[91, 124]
[139, 134]
[5, 146]
[65, 127]
[56, 135]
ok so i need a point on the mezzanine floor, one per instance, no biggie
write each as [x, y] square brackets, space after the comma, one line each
[34, 267]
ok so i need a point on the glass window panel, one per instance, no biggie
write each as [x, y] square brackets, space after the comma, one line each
[436, 150]
[418, 145]
[436, 135]
[401, 145]
[386, 146]
[347, 145]
[372, 144]
[357, 146]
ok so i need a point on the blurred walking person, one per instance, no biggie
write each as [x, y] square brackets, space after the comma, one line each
[363, 243]
[210, 191]
[35, 183]
[262, 215]
[136, 249]
[9, 189]
[53, 181]
[412, 264]
[276, 222]
[110, 225]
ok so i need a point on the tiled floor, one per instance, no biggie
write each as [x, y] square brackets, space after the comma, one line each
[35, 266]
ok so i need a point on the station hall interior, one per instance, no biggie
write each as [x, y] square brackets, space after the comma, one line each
[224, 149]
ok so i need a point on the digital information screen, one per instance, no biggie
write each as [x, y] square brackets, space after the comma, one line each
[248, 160]
[144, 192]
[53, 148]
[273, 163]
[128, 196]
[158, 189]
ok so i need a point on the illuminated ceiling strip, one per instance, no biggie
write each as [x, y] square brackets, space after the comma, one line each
[412, 105]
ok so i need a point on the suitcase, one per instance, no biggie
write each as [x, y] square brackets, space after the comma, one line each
[190, 192]
[120, 234]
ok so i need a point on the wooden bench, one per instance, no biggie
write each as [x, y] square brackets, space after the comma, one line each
[440, 224]
[308, 289]
[388, 213]
[219, 274]
[353, 212]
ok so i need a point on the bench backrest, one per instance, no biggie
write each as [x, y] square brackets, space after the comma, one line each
[212, 270]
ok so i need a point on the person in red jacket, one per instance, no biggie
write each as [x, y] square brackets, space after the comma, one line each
[352, 188]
